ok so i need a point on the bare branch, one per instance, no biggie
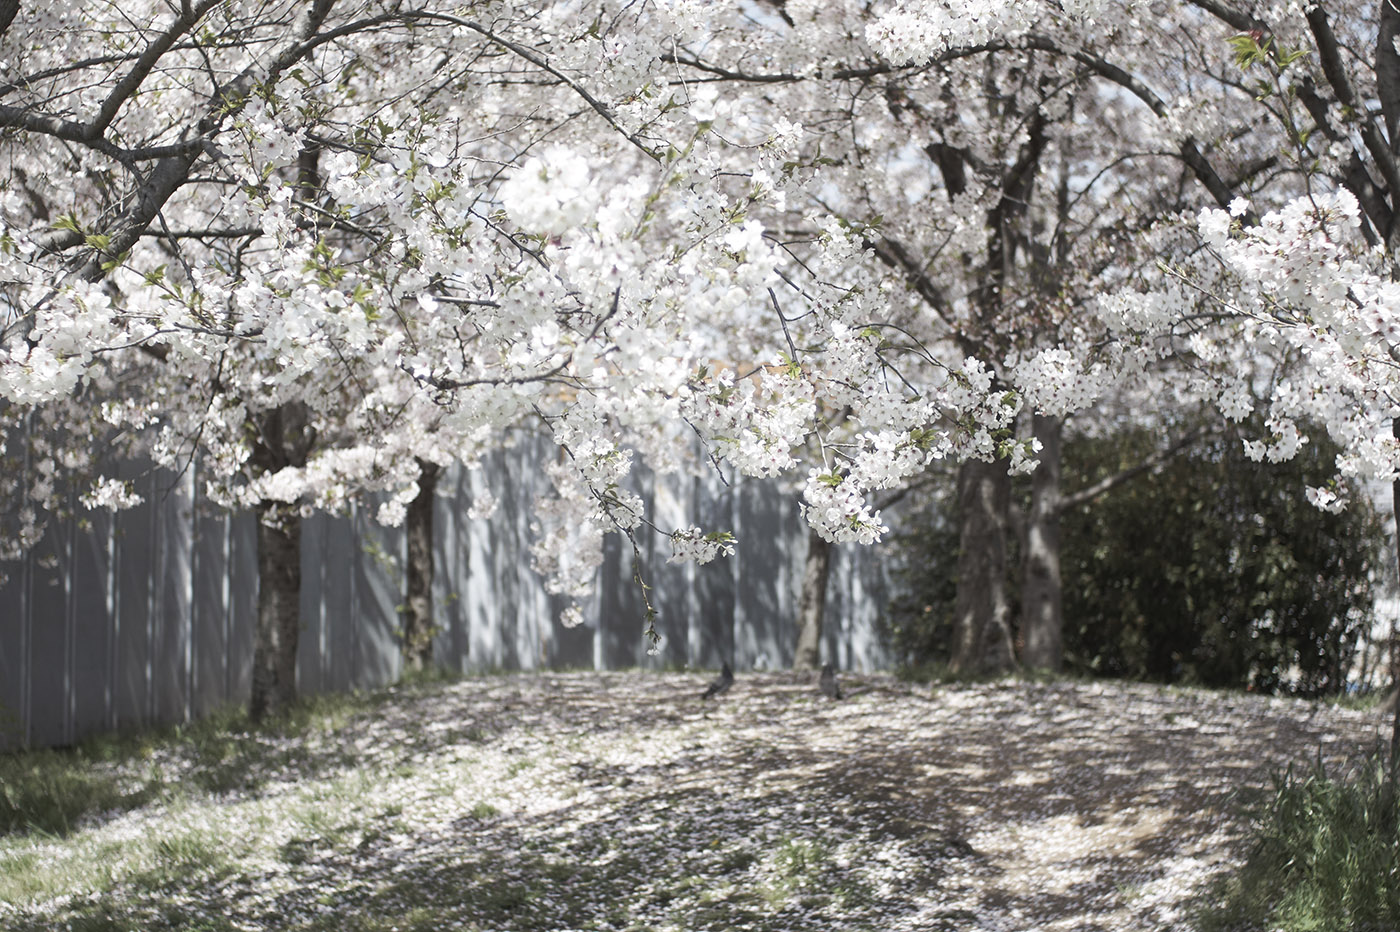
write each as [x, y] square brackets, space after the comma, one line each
[1089, 493]
[539, 61]
[133, 79]
[1330, 56]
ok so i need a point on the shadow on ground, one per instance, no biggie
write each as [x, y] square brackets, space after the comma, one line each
[620, 801]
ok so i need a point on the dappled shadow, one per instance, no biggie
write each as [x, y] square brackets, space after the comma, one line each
[621, 801]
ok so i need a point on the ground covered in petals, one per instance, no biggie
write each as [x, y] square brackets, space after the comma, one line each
[621, 801]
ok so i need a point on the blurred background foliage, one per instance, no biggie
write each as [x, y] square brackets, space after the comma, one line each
[1211, 569]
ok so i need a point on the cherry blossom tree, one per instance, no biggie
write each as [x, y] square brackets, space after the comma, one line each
[314, 244]
[1301, 265]
[327, 248]
[254, 259]
[996, 170]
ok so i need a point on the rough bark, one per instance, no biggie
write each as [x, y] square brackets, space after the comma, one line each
[283, 437]
[1042, 614]
[982, 613]
[279, 621]
[1388, 72]
[418, 625]
[1394, 642]
[8, 9]
[811, 604]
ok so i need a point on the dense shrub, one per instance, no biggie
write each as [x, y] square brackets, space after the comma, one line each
[1212, 569]
[1215, 569]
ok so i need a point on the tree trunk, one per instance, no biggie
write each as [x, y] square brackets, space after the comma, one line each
[418, 625]
[279, 615]
[811, 605]
[283, 437]
[982, 614]
[8, 9]
[1042, 613]
[1394, 644]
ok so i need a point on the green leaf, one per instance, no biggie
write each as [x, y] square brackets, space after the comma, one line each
[1248, 51]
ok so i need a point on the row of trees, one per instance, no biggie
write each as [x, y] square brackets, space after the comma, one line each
[328, 247]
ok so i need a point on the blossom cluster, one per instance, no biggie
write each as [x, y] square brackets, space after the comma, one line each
[404, 235]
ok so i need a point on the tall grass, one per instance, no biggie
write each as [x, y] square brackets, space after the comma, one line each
[49, 791]
[1325, 856]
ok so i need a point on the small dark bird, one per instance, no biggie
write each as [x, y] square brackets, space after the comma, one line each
[830, 688]
[719, 684]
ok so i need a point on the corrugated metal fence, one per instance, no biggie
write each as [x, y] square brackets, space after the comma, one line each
[146, 616]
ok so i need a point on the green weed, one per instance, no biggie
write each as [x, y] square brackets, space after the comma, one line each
[1325, 855]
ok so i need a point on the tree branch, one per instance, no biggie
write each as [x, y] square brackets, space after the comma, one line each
[1330, 55]
[133, 79]
[539, 61]
[1089, 493]
[170, 173]
[893, 254]
[1240, 19]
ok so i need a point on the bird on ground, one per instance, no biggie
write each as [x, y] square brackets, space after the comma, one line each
[719, 684]
[830, 688]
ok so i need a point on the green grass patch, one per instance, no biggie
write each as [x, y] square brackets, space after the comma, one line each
[1363, 701]
[50, 792]
[1325, 855]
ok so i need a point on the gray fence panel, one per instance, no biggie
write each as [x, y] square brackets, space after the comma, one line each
[209, 571]
[312, 635]
[617, 605]
[91, 631]
[50, 679]
[453, 579]
[766, 576]
[373, 627]
[339, 638]
[505, 644]
[133, 614]
[242, 581]
[858, 590]
[14, 652]
[710, 639]
[148, 615]
[670, 592]
[481, 590]
[173, 586]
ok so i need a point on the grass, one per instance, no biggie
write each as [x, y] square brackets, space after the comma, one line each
[52, 792]
[1370, 699]
[1325, 855]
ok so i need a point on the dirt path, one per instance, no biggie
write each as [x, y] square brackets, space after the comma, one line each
[1058, 806]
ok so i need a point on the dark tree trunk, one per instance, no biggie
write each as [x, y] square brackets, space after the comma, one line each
[279, 615]
[418, 625]
[811, 604]
[982, 614]
[283, 437]
[1394, 643]
[1042, 614]
[8, 9]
